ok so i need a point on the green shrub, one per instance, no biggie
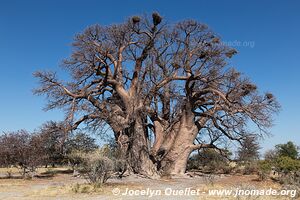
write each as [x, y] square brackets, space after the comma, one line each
[286, 164]
[264, 169]
[209, 160]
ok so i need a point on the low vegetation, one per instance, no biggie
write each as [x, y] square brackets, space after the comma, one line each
[280, 164]
[96, 167]
[49, 146]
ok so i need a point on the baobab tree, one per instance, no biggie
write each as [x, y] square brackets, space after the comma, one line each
[145, 77]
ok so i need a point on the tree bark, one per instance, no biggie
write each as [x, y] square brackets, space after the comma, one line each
[176, 159]
[179, 162]
[134, 144]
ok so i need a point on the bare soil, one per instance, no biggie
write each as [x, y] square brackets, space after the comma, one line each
[64, 186]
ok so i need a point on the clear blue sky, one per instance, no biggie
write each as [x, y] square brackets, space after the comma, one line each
[37, 35]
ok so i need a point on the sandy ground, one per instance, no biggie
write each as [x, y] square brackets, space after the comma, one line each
[63, 186]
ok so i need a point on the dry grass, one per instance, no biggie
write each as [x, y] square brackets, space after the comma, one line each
[65, 186]
[16, 171]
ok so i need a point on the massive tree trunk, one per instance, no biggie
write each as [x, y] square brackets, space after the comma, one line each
[173, 145]
[177, 161]
[176, 158]
[134, 145]
[139, 150]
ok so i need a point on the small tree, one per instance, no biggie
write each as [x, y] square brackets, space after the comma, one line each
[53, 136]
[6, 158]
[80, 141]
[21, 149]
[271, 155]
[289, 149]
[288, 170]
[75, 158]
[249, 149]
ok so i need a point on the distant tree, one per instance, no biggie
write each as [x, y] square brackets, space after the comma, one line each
[21, 149]
[53, 136]
[289, 149]
[77, 145]
[249, 149]
[80, 141]
[6, 157]
[271, 155]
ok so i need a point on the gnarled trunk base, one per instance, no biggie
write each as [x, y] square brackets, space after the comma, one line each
[135, 147]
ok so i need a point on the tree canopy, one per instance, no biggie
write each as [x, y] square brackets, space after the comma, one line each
[289, 149]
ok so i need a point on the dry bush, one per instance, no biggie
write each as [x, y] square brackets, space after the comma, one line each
[291, 181]
[75, 158]
[96, 167]
[250, 168]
